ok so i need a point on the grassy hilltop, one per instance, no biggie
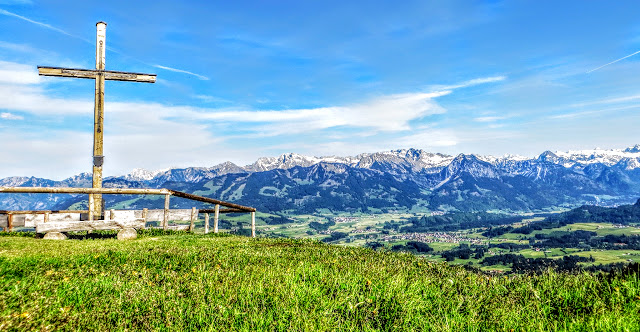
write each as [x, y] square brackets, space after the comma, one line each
[208, 282]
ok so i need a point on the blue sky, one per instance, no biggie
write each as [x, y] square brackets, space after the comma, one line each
[238, 80]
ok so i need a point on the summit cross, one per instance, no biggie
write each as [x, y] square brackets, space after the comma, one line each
[99, 75]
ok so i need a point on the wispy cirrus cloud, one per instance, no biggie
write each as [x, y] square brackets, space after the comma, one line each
[489, 118]
[593, 112]
[612, 62]
[204, 78]
[44, 25]
[10, 116]
[469, 83]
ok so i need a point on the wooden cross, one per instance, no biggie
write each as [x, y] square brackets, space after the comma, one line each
[100, 75]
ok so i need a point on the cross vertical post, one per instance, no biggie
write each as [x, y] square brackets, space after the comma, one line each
[96, 203]
[98, 120]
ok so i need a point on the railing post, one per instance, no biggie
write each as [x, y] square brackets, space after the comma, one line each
[90, 208]
[112, 214]
[46, 216]
[216, 214]
[165, 221]
[206, 223]
[10, 222]
[193, 219]
[253, 224]
[91, 204]
[145, 212]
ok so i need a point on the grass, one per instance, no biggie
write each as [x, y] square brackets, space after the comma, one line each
[180, 281]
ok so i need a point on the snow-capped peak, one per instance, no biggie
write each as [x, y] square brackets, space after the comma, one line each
[141, 174]
[607, 157]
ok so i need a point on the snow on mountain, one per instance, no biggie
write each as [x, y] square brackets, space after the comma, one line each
[633, 149]
[597, 155]
[290, 160]
[407, 159]
[141, 174]
[402, 161]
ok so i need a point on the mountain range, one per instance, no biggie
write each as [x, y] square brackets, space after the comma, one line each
[397, 180]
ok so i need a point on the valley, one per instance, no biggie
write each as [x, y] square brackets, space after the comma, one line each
[484, 212]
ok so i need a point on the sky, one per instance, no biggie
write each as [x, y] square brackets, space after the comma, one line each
[239, 80]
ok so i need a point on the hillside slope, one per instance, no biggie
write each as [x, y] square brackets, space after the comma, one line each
[198, 282]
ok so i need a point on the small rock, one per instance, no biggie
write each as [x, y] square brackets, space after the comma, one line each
[54, 236]
[127, 234]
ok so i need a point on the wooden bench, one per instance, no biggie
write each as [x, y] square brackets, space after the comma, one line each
[69, 221]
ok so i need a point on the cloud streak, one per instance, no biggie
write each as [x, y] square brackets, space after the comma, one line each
[612, 62]
[10, 116]
[44, 25]
[204, 78]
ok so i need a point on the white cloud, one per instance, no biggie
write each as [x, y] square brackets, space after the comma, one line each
[17, 47]
[57, 155]
[607, 101]
[591, 112]
[211, 99]
[10, 116]
[14, 73]
[153, 135]
[387, 113]
[489, 118]
[34, 100]
[469, 83]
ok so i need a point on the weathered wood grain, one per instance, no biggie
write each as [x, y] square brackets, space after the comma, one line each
[253, 224]
[74, 226]
[109, 75]
[216, 214]
[173, 227]
[151, 215]
[194, 216]
[68, 190]
[31, 219]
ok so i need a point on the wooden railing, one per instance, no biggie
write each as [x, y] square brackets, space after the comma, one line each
[114, 219]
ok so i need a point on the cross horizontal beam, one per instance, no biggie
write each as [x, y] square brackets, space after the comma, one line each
[92, 74]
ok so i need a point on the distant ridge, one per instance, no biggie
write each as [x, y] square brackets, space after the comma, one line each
[405, 179]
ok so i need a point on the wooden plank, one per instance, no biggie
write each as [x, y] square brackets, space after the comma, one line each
[211, 200]
[41, 211]
[130, 215]
[206, 223]
[215, 218]
[74, 226]
[194, 215]
[67, 190]
[109, 75]
[172, 215]
[253, 224]
[174, 227]
[151, 215]
[165, 219]
[223, 211]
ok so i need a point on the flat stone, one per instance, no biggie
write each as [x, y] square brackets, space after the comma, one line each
[127, 234]
[54, 236]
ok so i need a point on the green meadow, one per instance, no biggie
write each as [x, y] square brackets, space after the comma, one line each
[181, 281]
